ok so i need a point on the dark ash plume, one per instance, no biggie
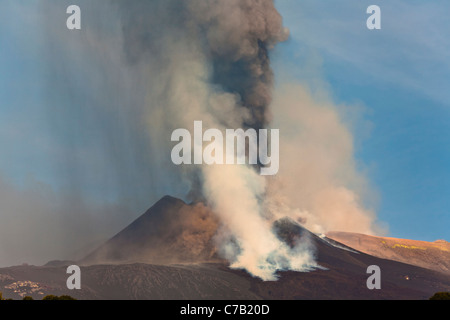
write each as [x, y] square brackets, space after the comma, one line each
[233, 36]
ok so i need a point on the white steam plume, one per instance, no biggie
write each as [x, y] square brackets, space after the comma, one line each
[318, 174]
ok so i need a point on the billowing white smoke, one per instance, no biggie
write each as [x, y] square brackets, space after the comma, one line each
[318, 173]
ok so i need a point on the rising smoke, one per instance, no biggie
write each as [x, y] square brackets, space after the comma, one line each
[140, 69]
[209, 61]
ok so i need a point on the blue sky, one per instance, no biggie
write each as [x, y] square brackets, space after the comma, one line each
[399, 75]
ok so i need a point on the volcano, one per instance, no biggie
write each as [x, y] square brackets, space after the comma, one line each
[169, 253]
[171, 231]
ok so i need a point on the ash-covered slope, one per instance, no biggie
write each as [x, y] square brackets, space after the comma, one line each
[138, 263]
[171, 231]
[344, 275]
[431, 255]
[129, 282]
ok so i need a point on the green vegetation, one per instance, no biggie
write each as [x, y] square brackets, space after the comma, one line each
[441, 296]
[63, 297]
[49, 297]
[66, 297]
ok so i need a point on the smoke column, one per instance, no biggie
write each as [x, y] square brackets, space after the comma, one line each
[209, 61]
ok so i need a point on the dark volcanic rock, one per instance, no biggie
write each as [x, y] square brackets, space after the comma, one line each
[290, 232]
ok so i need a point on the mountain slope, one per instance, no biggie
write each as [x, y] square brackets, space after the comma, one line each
[137, 263]
[171, 231]
[431, 255]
